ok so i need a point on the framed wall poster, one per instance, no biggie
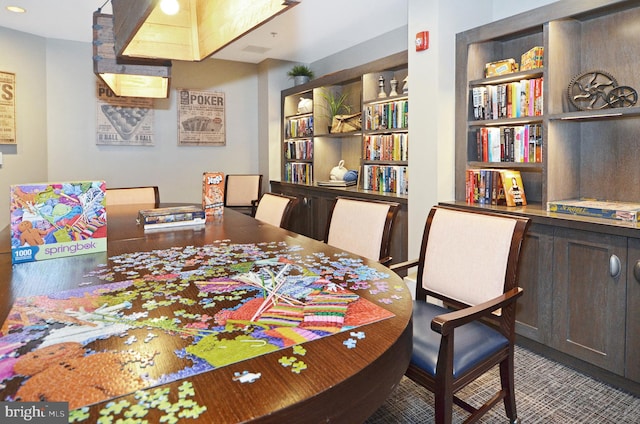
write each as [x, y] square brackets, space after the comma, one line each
[201, 118]
[7, 108]
[126, 121]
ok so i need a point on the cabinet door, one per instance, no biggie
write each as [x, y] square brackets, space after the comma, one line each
[589, 302]
[632, 364]
[533, 310]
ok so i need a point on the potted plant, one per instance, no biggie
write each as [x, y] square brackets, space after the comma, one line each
[301, 74]
[335, 103]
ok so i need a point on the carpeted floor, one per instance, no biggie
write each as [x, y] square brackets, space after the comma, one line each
[546, 393]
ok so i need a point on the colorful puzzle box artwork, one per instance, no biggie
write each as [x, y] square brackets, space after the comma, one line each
[150, 318]
[53, 220]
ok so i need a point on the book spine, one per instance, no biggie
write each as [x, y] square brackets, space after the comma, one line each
[172, 217]
[194, 221]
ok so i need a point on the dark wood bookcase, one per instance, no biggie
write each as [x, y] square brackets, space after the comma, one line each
[581, 275]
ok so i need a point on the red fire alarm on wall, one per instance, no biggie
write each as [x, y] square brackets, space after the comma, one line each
[422, 41]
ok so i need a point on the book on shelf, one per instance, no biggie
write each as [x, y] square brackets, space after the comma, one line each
[517, 99]
[513, 187]
[521, 143]
[171, 216]
[484, 186]
[336, 183]
[621, 211]
[489, 186]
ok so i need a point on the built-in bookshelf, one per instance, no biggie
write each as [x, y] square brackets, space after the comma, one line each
[585, 145]
[563, 152]
[378, 150]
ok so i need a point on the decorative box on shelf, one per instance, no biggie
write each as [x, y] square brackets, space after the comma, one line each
[622, 211]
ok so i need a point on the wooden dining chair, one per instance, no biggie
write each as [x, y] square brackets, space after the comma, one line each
[133, 195]
[469, 261]
[275, 209]
[362, 226]
[241, 191]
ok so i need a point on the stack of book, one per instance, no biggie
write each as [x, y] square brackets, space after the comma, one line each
[171, 217]
[495, 187]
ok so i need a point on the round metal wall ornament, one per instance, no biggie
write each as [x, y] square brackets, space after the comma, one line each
[590, 90]
[599, 90]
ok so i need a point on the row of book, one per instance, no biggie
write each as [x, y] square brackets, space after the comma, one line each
[386, 147]
[521, 143]
[494, 187]
[510, 100]
[383, 116]
[386, 179]
[298, 149]
[171, 217]
[299, 127]
[295, 172]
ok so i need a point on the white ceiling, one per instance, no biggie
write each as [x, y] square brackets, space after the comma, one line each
[312, 30]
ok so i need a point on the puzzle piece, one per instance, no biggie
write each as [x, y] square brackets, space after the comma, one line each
[169, 418]
[115, 407]
[350, 343]
[298, 367]
[193, 412]
[186, 390]
[79, 414]
[287, 361]
[246, 376]
[299, 350]
[136, 411]
[357, 334]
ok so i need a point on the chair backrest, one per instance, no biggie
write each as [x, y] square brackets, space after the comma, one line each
[275, 209]
[469, 256]
[242, 190]
[133, 195]
[362, 226]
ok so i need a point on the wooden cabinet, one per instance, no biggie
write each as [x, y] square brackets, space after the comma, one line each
[533, 310]
[632, 363]
[378, 150]
[311, 214]
[589, 302]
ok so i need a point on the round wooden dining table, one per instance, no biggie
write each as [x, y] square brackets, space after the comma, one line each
[344, 376]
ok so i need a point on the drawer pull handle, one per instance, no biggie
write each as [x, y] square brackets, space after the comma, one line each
[614, 266]
[636, 271]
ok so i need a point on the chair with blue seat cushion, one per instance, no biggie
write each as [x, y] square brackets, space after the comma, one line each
[468, 261]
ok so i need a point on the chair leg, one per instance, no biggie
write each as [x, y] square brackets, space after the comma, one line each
[506, 379]
[443, 400]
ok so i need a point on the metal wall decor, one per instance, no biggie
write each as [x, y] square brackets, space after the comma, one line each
[599, 90]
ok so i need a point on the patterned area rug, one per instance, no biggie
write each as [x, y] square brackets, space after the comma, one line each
[546, 392]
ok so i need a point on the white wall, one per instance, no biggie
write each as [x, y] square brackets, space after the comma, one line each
[432, 92]
[24, 55]
[177, 170]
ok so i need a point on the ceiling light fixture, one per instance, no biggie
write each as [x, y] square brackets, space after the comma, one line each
[16, 9]
[126, 77]
[202, 28]
[169, 7]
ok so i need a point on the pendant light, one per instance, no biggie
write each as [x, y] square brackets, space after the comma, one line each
[125, 76]
[196, 31]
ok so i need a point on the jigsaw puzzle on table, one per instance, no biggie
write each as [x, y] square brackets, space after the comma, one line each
[150, 318]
